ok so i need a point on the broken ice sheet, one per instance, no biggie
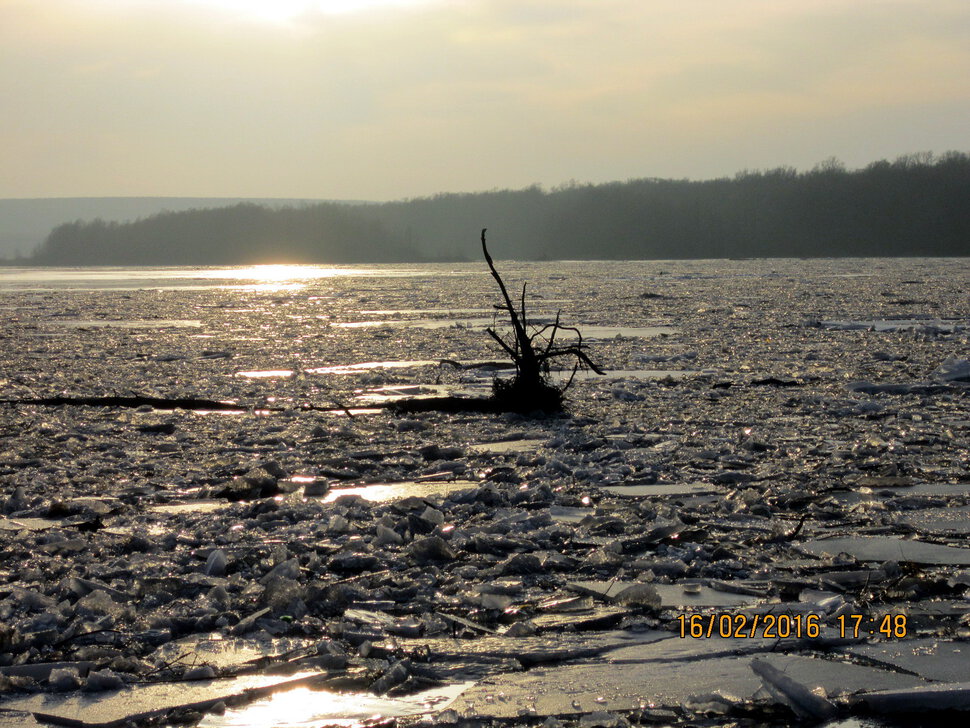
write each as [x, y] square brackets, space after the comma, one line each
[371, 365]
[591, 619]
[381, 492]
[937, 489]
[953, 370]
[138, 700]
[27, 524]
[585, 687]
[802, 701]
[420, 323]
[569, 514]
[507, 446]
[398, 392]
[888, 548]
[41, 671]
[611, 332]
[908, 492]
[127, 324]
[948, 696]
[889, 325]
[528, 650]
[938, 520]
[17, 719]
[929, 658]
[301, 707]
[659, 489]
[266, 374]
[671, 595]
[193, 506]
[224, 653]
[561, 377]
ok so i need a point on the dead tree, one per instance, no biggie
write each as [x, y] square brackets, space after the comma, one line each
[532, 353]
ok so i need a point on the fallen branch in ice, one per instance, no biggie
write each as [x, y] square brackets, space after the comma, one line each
[532, 354]
[187, 403]
[428, 404]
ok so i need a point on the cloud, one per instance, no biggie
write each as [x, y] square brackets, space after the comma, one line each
[149, 97]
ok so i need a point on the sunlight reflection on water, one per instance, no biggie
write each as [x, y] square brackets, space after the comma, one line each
[304, 707]
[253, 277]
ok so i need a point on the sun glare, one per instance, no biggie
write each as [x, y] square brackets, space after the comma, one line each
[283, 273]
[287, 10]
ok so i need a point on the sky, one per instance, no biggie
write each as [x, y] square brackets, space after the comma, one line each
[395, 99]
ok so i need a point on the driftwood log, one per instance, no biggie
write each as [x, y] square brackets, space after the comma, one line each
[425, 404]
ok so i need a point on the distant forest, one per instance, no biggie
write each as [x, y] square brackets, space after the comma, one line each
[917, 205]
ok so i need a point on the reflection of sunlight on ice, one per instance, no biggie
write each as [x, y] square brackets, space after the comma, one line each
[271, 278]
[381, 492]
[302, 707]
[276, 277]
[279, 277]
[280, 273]
[299, 707]
[266, 373]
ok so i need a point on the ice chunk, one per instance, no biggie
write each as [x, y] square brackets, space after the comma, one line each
[215, 565]
[929, 658]
[64, 679]
[888, 548]
[803, 702]
[953, 370]
[98, 603]
[103, 680]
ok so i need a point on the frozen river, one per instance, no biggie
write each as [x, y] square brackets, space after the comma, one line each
[772, 437]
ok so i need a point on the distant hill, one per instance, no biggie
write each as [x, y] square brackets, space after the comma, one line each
[26, 223]
[915, 205]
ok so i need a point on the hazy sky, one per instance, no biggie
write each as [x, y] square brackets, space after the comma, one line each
[383, 99]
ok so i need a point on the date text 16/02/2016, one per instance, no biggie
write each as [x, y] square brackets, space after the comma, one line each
[785, 626]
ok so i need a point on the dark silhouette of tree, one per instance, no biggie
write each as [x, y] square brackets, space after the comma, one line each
[914, 205]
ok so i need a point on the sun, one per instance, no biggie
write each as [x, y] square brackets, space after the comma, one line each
[287, 10]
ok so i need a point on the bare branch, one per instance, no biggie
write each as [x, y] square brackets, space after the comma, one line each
[530, 388]
[572, 351]
[508, 349]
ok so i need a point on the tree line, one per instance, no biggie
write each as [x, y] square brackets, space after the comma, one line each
[916, 205]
